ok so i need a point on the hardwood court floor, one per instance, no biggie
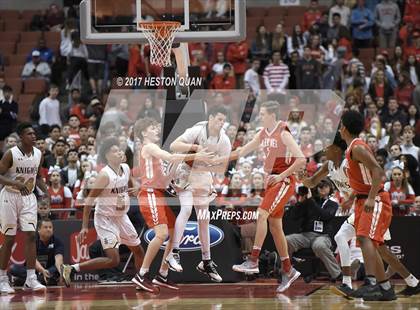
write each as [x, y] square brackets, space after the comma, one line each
[243, 296]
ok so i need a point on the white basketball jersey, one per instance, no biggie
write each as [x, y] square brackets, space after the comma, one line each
[25, 167]
[339, 177]
[114, 199]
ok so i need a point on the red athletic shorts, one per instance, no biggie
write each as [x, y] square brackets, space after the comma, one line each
[373, 225]
[154, 209]
[276, 197]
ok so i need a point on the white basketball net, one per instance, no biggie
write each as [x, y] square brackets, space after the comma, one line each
[160, 36]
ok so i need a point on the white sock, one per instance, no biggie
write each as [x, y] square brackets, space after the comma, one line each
[411, 281]
[347, 281]
[186, 201]
[204, 234]
[30, 273]
[143, 271]
[163, 272]
[76, 267]
[3, 272]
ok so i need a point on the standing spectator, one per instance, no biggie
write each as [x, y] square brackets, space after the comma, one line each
[114, 115]
[49, 108]
[217, 67]
[308, 72]
[96, 66]
[225, 80]
[54, 18]
[53, 136]
[393, 114]
[404, 90]
[412, 66]
[252, 78]
[200, 61]
[292, 63]
[336, 30]
[380, 87]
[414, 49]
[77, 58]
[318, 52]
[70, 26]
[74, 123]
[397, 61]
[279, 41]
[261, 46]
[36, 68]
[297, 41]
[408, 147]
[61, 196]
[311, 16]
[47, 55]
[120, 51]
[57, 157]
[78, 107]
[237, 54]
[8, 113]
[401, 192]
[412, 10]
[413, 115]
[387, 18]
[341, 9]
[276, 75]
[362, 23]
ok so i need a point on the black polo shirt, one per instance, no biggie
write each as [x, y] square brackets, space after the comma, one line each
[46, 252]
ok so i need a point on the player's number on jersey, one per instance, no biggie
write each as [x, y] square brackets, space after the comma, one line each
[29, 183]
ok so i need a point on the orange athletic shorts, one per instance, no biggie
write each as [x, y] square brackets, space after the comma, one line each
[154, 209]
[373, 225]
[277, 196]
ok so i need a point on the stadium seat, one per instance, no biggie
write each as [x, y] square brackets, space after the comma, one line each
[15, 84]
[367, 53]
[14, 25]
[10, 14]
[270, 22]
[13, 71]
[26, 48]
[25, 105]
[34, 86]
[10, 36]
[7, 47]
[17, 60]
[277, 11]
[296, 10]
[256, 12]
[52, 40]
[30, 36]
[291, 20]
[29, 14]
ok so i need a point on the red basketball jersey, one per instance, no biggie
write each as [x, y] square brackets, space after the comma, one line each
[151, 173]
[360, 177]
[278, 157]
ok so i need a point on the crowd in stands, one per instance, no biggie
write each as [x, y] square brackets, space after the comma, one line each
[368, 53]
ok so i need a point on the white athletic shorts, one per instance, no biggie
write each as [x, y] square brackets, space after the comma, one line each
[115, 230]
[17, 211]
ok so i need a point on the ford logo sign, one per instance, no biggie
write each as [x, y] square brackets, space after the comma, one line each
[190, 240]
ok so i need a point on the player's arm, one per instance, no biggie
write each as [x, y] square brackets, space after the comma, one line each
[5, 163]
[155, 151]
[319, 175]
[39, 180]
[362, 155]
[296, 152]
[240, 151]
[180, 146]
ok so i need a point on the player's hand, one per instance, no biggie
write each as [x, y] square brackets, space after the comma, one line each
[133, 191]
[22, 188]
[274, 179]
[205, 156]
[82, 235]
[369, 205]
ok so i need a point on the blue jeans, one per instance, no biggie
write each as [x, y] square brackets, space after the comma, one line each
[19, 271]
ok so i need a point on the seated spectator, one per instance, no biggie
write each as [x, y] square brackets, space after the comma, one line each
[414, 49]
[336, 30]
[149, 110]
[60, 196]
[225, 80]
[411, 171]
[200, 61]
[57, 158]
[261, 45]
[413, 116]
[44, 211]
[217, 68]
[415, 211]
[393, 113]
[412, 66]
[8, 113]
[397, 61]
[9, 142]
[308, 71]
[316, 227]
[49, 252]
[387, 18]
[311, 16]
[71, 173]
[362, 22]
[252, 78]
[49, 108]
[401, 192]
[74, 123]
[237, 55]
[341, 9]
[233, 195]
[305, 142]
[297, 41]
[380, 86]
[53, 136]
[404, 90]
[47, 55]
[36, 68]
[279, 41]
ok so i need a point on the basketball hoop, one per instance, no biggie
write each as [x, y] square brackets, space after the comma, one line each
[160, 36]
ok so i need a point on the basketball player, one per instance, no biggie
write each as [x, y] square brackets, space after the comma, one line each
[283, 159]
[152, 200]
[373, 211]
[110, 196]
[199, 193]
[337, 173]
[21, 167]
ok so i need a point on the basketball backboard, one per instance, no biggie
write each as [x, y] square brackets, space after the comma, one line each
[116, 22]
